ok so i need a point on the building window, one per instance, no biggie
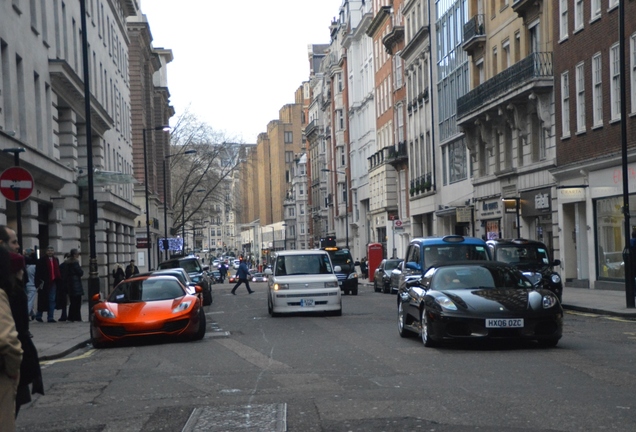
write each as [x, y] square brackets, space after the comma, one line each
[563, 19]
[597, 90]
[340, 119]
[289, 137]
[457, 162]
[494, 61]
[289, 156]
[610, 232]
[565, 104]
[615, 87]
[595, 9]
[397, 71]
[613, 3]
[301, 209]
[580, 97]
[578, 15]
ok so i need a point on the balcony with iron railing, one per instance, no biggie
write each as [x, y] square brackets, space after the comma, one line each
[535, 69]
[474, 34]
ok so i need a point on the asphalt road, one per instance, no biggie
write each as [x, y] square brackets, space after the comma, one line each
[350, 373]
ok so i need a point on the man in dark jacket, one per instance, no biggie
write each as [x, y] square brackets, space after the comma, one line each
[131, 269]
[243, 274]
[47, 276]
[73, 279]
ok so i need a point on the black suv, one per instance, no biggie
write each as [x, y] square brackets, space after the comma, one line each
[198, 273]
[532, 258]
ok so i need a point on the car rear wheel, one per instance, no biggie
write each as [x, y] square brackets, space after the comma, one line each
[401, 321]
[387, 289]
[426, 339]
[375, 286]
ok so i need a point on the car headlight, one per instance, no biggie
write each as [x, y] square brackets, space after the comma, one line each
[353, 276]
[445, 303]
[555, 278]
[105, 313]
[332, 284]
[549, 301]
[278, 287]
[182, 306]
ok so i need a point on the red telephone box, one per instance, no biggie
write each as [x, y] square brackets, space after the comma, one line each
[375, 254]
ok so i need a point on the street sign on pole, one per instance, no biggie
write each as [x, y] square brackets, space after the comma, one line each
[16, 184]
[398, 223]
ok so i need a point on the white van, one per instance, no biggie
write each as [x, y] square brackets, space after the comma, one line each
[303, 281]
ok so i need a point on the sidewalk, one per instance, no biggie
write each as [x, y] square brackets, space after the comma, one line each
[56, 340]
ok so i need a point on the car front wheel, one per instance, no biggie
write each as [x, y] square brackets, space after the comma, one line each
[426, 339]
[401, 321]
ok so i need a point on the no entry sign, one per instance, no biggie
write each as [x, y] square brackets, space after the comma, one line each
[16, 184]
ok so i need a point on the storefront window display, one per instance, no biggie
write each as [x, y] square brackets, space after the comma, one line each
[610, 236]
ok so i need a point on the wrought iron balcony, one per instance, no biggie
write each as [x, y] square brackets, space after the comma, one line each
[536, 67]
[420, 185]
[474, 34]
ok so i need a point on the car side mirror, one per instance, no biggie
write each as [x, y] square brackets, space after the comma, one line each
[206, 267]
[96, 297]
[413, 282]
[198, 288]
[556, 262]
[268, 271]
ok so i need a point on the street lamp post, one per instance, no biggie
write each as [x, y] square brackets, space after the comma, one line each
[346, 201]
[18, 205]
[148, 242]
[165, 198]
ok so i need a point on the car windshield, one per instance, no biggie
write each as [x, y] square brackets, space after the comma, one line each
[436, 254]
[189, 265]
[523, 254]
[470, 277]
[390, 265]
[343, 259]
[145, 290]
[288, 265]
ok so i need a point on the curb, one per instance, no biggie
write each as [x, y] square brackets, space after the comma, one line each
[65, 352]
[626, 315]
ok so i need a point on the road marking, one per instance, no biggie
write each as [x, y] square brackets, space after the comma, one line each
[251, 355]
[79, 357]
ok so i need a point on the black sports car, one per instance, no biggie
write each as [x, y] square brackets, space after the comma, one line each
[478, 300]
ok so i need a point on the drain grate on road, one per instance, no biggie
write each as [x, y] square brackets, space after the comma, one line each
[256, 417]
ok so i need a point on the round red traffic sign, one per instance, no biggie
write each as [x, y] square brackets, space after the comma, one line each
[16, 184]
[398, 223]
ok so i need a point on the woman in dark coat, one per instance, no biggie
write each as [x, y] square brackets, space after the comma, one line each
[73, 278]
[12, 267]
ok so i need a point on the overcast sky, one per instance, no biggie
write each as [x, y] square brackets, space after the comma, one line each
[236, 63]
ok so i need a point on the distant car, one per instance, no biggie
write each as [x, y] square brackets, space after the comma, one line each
[197, 272]
[478, 300]
[301, 282]
[259, 277]
[147, 306]
[532, 258]
[382, 275]
[236, 264]
[233, 279]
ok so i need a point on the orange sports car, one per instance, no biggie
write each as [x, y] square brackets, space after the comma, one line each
[147, 306]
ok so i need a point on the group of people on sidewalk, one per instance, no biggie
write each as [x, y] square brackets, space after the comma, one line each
[20, 374]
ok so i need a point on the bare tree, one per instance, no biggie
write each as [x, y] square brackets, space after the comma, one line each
[201, 180]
